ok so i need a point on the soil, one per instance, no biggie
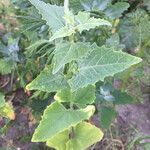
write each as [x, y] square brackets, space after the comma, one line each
[132, 121]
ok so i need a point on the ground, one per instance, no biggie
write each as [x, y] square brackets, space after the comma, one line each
[133, 121]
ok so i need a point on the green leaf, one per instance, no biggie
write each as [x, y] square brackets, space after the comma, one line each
[5, 66]
[102, 4]
[82, 96]
[48, 82]
[116, 10]
[135, 29]
[111, 11]
[107, 114]
[95, 5]
[59, 141]
[7, 111]
[122, 98]
[52, 14]
[100, 63]
[57, 118]
[63, 32]
[70, 19]
[64, 96]
[80, 141]
[85, 135]
[2, 99]
[67, 52]
[85, 22]
[76, 5]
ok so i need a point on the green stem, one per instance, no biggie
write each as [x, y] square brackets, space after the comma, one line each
[72, 133]
[66, 5]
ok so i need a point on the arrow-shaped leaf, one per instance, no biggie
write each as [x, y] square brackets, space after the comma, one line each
[52, 14]
[84, 135]
[100, 63]
[57, 118]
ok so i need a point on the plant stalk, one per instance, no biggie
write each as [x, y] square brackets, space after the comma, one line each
[66, 6]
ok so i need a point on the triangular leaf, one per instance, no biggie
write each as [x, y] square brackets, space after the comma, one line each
[82, 96]
[100, 63]
[67, 52]
[80, 141]
[57, 118]
[48, 82]
[85, 22]
[52, 14]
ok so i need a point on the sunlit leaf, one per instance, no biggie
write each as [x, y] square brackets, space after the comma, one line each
[7, 111]
[57, 118]
[82, 96]
[83, 135]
